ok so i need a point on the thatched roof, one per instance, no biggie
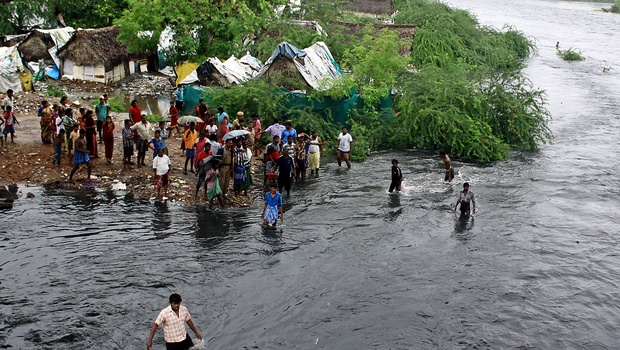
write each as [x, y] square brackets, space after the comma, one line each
[89, 47]
[34, 47]
[376, 7]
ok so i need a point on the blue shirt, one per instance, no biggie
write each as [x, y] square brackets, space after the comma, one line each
[179, 94]
[157, 144]
[286, 133]
[273, 201]
[102, 111]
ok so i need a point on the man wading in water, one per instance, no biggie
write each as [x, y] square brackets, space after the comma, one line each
[448, 164]
[466, 196]
[173, 319]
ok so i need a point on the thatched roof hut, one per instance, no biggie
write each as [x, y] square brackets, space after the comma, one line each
[375, 7]
[36, 45]
[91, 47]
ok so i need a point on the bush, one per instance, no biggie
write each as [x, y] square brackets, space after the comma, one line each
[615, 8]
[55, 90]
[571, 55]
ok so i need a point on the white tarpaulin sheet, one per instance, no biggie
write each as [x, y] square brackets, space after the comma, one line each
[315, 63]
[10, 67]
[235, 71]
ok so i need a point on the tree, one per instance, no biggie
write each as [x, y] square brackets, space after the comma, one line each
[21, 16]
[201, 28]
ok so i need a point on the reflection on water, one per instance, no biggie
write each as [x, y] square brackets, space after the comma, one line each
[353, 266]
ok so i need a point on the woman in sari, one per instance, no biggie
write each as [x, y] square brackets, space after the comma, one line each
[46, 123]
[223, 130]
[91, 133]
[108, 139]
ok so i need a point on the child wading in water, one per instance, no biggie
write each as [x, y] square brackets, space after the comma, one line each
[397, 177]
[273, 206]
[58, 142]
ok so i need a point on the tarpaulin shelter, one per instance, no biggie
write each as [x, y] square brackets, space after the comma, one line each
[232, 71]
[95, 55]
[314, 64]
[11, 69]
[184, 70]
[43, 44]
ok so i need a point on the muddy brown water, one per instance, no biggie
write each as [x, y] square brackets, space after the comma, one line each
[354, 267]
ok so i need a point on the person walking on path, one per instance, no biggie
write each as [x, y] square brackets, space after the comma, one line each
[173, 319]
[464, 199]
[345, 142]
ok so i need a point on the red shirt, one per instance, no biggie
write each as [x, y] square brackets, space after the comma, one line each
[108, 130]
[135, 114]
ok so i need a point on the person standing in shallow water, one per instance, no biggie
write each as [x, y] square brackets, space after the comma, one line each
[273, 206]
[397, 177]
[173, 319]
[80, 155]
[447, 162]
[345, 142]
[465, 198]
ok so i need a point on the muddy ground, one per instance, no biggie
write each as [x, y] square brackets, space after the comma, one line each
[28, 162]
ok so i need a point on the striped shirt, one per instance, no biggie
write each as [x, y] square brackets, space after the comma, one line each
[127, 138]
[174, 326]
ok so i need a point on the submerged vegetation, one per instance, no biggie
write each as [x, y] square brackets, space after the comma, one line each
[615, 8]
[571, 55]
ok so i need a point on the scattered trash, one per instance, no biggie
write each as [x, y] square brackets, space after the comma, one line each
[30, 195]
[119, 186]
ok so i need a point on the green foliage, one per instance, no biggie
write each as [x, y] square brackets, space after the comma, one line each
[571, 55]
[257, 96]
[55, 90]
[198, 33]
[117, 104]
[20, 16]
[376, 64]
[154, 118]
[471, 115]
[615, 8]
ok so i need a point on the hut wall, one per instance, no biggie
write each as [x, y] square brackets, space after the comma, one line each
[78, 72]
[67, 67]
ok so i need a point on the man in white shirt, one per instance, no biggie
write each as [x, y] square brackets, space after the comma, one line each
[142, 144]
[464, 199]
[173, 319]
[161, 169]
[345, 143]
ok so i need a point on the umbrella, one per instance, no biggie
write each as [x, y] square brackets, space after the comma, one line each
[207, 163]
[190, 119]
[303, 135]
[235, 133]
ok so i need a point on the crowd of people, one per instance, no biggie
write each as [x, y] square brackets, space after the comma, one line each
[217, 150]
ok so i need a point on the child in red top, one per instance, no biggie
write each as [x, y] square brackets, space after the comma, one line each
[9, 123]
[174, 119]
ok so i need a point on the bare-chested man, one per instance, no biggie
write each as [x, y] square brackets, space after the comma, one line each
[80, 156]
[448, 164]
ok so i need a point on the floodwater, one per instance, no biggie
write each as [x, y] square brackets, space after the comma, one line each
[354, 267]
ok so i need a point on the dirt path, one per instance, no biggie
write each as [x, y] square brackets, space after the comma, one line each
[28, 162]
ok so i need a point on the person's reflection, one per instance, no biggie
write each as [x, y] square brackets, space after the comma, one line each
[463, 224]
[161, 218]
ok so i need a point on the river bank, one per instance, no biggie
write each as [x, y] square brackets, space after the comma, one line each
[28, 162]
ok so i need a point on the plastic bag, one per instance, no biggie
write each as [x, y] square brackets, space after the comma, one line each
[201, 345]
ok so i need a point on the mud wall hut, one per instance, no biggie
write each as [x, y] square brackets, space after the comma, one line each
[375, 7]
[95, 55]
